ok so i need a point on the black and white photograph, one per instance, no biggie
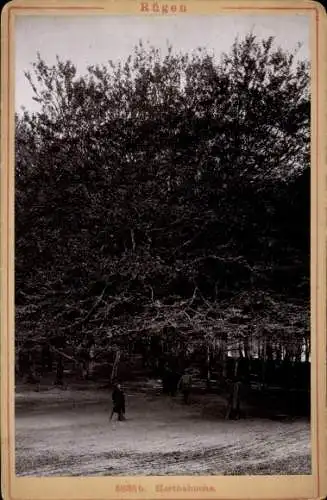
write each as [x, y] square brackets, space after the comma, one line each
[162, 245]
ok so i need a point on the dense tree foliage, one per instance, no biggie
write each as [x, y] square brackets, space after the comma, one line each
[166, 191]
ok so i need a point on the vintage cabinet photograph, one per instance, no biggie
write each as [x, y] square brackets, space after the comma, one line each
[163, 293]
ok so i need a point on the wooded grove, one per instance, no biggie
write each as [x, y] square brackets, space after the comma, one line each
[167, 196]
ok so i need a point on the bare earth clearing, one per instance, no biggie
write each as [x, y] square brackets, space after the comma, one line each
[68, 433]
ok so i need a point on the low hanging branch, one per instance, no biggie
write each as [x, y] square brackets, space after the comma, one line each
[64, 355]
[83, 320]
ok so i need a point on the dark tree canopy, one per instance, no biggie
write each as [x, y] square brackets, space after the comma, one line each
[165, 190]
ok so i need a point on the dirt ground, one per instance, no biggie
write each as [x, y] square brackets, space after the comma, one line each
[68, 433]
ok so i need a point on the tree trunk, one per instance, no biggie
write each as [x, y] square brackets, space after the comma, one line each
[208, 368]
[91, 362]
[236, 365]
[264, 360]
[246, 348]
[59, 371]
[133, 240]
[115, 367]
[307, 350]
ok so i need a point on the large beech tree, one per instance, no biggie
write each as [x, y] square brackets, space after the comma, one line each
[171, 181]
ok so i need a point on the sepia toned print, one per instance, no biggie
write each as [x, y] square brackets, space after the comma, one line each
[165, 295]
[170, 248]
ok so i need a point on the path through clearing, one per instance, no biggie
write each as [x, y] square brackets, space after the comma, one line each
[68, 433]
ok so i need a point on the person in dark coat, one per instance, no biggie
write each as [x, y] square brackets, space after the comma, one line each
[118, 401]
[185, 385]
[234, 401]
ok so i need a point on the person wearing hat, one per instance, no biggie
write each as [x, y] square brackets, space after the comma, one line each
[118, 401]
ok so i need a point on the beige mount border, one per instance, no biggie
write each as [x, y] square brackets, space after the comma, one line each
[232, 487]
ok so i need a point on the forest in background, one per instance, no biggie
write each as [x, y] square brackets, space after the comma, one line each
[167, 197]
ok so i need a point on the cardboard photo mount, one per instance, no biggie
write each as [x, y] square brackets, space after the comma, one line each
[168, 487]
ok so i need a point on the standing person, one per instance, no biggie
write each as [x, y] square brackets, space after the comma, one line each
[118, 401]
[234, 403]
[185, 385]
